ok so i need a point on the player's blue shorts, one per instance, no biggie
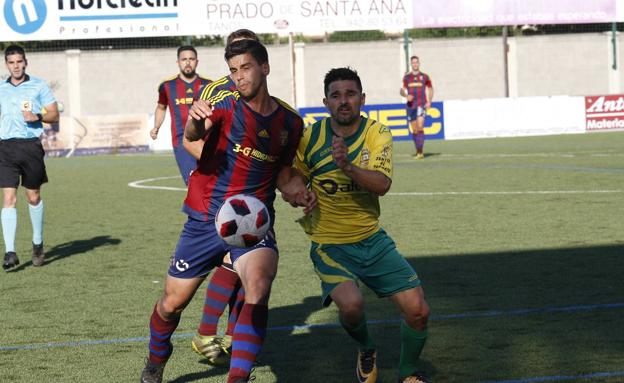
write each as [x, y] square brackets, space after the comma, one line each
[200, 249]
[186, 162]
[415, 112]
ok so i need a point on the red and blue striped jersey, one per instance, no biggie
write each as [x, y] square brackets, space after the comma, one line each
[243, 153]
[178, 95]
[416, 85]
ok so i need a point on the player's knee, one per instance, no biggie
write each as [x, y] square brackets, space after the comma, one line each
[351, 309]
[33, 199]
[9, 201]
[418, 315]
[170, 306]
[257, 290]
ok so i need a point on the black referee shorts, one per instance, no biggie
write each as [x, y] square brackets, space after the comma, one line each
[22, 158]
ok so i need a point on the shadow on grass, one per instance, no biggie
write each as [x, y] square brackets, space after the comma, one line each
[68, 249]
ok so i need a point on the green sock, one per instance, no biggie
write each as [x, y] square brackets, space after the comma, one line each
[359, 332]
[412, 343]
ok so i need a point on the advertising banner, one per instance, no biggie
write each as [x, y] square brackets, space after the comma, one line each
[463, 13]
[97, 135]
[604, 112]
[391, 115]
[94, 19]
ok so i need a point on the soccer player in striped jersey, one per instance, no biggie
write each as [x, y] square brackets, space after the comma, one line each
[418, 90]
[224, 288]
[347, 161]
[177, 93]
[250, 142]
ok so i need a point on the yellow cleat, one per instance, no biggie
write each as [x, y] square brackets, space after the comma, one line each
[420, 156]
[216, 349]
[366, 369]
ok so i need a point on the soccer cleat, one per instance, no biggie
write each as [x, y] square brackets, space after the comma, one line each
[10, 260]
[153, 372]
[38, 255]
[416, 377]
[366, 369]
[420, 156]
[216, 349]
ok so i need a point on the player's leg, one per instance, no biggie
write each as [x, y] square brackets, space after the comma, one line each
[333, 264]
[223, 290]
[390, 275]
[9, 227]
[198, 251]
[9, 182]
[163, 322]
[415, 312]
[413, 126]
[257, 268]
[186, 162]
[420, 134]
[34, 175]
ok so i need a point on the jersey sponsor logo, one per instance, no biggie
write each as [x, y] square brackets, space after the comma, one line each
[332, 187]
[364, 157]
[181, 265]
[283, 138]
[25, 16]
[253, 153]
[184, 101]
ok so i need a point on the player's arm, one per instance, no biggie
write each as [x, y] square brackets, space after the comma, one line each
[429, 94]
[198, 123]
[294, 188]
[193, 147]
[371, 180]
[159, 117]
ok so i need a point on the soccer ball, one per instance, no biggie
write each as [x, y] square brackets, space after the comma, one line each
[242, 220]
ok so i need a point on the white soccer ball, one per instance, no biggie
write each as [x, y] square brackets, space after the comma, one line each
[242, 220]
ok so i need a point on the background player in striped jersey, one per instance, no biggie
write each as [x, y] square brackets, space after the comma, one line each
[418, 90]
[177, 93]
[347, 161]
[224, 288]
[250, 142]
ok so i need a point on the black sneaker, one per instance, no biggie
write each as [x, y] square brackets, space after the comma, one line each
[366, 369]
[153, 372]
[38, 255]
[10, 260]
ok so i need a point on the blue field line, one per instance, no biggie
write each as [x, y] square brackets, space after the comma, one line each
[121, 17]
[561, 378]
[296, 328]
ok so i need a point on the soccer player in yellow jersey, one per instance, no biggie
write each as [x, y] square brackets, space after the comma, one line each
[346, 160]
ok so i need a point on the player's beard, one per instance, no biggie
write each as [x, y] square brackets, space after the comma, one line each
[345, 119]
[188, 75]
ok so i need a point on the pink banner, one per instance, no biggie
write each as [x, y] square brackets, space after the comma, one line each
[464, 13]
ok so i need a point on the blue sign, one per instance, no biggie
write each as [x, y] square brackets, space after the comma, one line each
[25, 16]
[393, 116]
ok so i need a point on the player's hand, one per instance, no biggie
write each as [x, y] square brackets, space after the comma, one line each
[340, 153]
[307, 199]
[30, 116]
[410, 98]
[154, 133]
[200, 110]
[427, 105]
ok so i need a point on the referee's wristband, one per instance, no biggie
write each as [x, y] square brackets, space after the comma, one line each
[39, 117]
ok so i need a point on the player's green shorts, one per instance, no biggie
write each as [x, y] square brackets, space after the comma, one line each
[375, 261]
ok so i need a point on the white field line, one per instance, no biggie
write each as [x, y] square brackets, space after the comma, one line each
[140, 185]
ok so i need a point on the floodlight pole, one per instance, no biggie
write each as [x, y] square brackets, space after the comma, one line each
[506, 60]
[614, 44]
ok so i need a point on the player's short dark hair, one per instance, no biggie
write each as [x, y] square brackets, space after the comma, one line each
[241, 34]
[187, 48]
[414, 57]
[14, 49]
[337, 74]
[253, 47]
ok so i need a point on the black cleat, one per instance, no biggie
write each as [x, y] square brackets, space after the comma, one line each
[153, 372]
[10, 260]
[38, 255]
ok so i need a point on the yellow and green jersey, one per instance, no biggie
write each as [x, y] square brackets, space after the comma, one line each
[346, 213]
